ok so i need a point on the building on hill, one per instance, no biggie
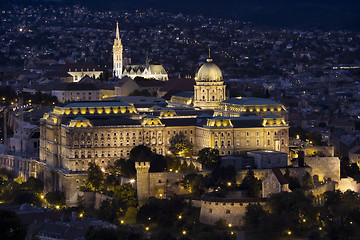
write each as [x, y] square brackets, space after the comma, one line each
[76, 92]
[354, 155]
[75, 133]
[275, 182]
[125, 87]
[175, 85]
[80, 70]
[147, 70]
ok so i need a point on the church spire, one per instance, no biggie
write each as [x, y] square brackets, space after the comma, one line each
[209, 59]
[117, 54]
[117, 31]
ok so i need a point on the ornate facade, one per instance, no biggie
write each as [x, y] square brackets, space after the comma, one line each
[117, 54]
[76, 133]
[120, 70]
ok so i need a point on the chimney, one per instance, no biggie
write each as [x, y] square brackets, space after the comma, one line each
[301, 161]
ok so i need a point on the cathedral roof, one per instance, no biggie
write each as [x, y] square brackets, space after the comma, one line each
[154, 69]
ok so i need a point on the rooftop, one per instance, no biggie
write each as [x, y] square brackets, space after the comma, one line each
[251, 101]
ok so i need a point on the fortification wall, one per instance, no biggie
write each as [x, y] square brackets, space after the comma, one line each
[328, 151]
[94, 199]
[70, 184]
[164, 183]
[348, 184]
[232, 212]
[324, 167]
[262, 173]
[21, 167]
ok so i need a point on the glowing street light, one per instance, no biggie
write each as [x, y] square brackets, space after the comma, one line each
[229, 184]
[57, 207]
[289, 232]
[122, 221]
[180, 217]
[147, 228]
[230, 225]
[184, 232]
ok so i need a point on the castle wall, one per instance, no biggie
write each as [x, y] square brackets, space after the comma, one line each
[328, 151]
[324, 167]
[233, 212]
[348, 184]
[22, 167]
[298, 173]
[164, 183]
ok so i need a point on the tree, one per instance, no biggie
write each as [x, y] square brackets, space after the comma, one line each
[55, 198]
[161, 211]
[95, 179]
[210, 157]
[162, 235]
[252, 184]
[194, 184]
[33, 184]
[127, 194]
[308, 181]
[10, 226]
[253, 214]
[157, 162]
[221, 176]
[293, 182]
[179, 145]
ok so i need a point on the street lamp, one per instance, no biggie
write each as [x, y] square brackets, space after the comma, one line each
[184, 232]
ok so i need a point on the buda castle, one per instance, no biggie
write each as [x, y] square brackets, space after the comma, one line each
[76, 133]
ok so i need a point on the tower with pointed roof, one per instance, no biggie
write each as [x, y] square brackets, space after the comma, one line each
[117, 54]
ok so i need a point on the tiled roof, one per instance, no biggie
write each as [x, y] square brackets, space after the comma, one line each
[95, 104]
[251, 101]
[185, 94]
[280, 177]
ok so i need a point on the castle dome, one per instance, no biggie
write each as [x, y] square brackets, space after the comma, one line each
[209, 72]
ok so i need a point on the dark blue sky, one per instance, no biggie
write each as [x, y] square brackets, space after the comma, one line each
[329, 14]
[325, 14]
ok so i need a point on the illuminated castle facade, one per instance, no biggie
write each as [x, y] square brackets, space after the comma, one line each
[76, 133]
[120, 70]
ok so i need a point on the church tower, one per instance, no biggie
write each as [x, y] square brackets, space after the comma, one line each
[209, 89]
[117, 54]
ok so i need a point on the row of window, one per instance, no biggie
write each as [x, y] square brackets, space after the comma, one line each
[115, 144]
[222, 143]
[121, 153]
[82, 135]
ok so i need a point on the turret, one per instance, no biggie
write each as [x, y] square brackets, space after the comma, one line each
[143, 180]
